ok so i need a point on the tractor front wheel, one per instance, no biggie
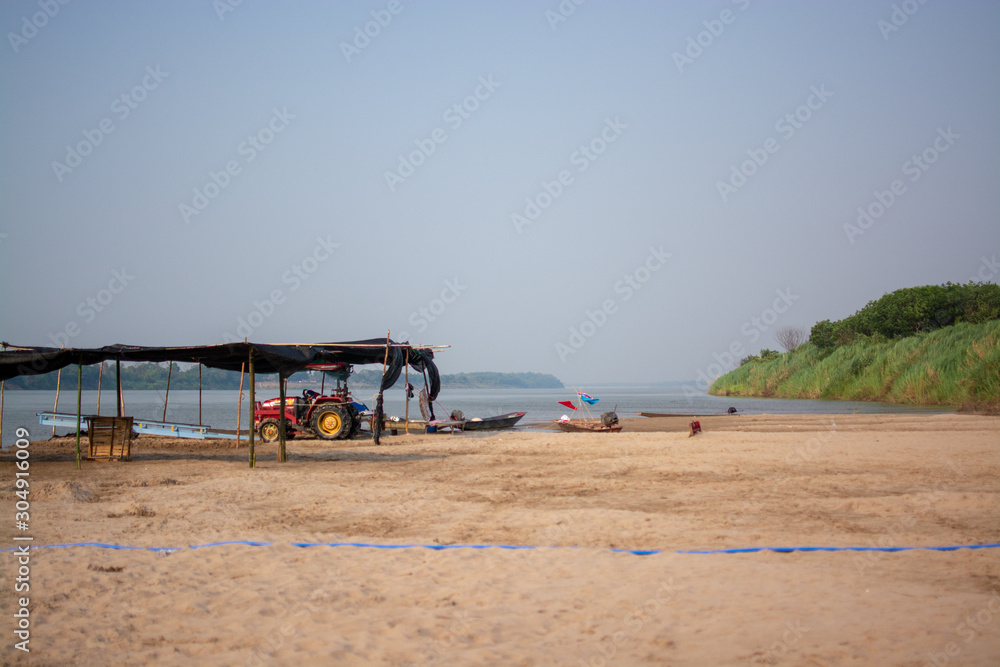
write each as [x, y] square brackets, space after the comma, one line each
[269, 430]
[331, 422]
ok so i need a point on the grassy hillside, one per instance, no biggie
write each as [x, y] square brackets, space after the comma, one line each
[957, 365]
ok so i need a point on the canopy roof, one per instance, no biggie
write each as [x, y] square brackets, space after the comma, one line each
[283, 359]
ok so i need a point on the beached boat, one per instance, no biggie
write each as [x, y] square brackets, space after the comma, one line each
[587, 426]
[608, 423]
[493, 423]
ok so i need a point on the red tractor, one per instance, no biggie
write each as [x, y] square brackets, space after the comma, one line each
[334, 417]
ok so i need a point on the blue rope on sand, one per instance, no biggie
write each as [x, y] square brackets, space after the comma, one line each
[442, 547]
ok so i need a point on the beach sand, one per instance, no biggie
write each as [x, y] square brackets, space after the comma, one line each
[747, 481]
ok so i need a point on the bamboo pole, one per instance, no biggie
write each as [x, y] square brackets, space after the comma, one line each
[379, 413]
[253, 408]
[199, 394]
[118, 386]
[166, 397]
[55, 407]
[79, 409]
[406, 380]
[239, 407]
[100, 376]
[2, 383]
[281, 419]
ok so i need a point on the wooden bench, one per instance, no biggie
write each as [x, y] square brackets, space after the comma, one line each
[110, 438]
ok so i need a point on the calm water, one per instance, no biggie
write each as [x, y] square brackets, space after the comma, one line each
[219, 409]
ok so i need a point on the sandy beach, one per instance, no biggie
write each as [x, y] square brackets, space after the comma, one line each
[747, 481]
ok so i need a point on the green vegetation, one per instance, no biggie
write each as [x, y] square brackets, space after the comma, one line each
[134, 376]
[952, 365]
[765, 355]
[912, 310]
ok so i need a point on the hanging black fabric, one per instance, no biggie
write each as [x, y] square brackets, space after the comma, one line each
[284, 359]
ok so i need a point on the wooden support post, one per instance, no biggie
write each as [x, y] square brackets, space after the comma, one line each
[406, 380]
[100, 376]
[166, 397]
[118, 386]
[379, 415]
[281, 419]
[199, 394]
[253, 408]
[79, 409]
[2, 383]
[55, 407]
[239, 407]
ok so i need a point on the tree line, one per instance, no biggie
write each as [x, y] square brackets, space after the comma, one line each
[150, 375]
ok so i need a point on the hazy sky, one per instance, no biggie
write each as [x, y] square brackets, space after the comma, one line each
[609, 191]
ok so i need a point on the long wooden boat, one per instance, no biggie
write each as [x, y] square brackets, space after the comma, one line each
[493, 423]
[586, 426]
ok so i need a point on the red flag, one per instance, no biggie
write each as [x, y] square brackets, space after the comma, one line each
[568, 404]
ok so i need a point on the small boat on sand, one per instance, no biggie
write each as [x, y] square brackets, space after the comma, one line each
[493, 423]
[587, 426]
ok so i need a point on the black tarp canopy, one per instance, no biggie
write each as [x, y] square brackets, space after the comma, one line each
[283, 359]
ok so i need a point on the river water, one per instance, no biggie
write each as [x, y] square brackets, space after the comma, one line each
[219, 407]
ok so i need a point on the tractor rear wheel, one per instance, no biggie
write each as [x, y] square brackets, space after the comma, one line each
[269, 430]
[355, 421]
[331, 422]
